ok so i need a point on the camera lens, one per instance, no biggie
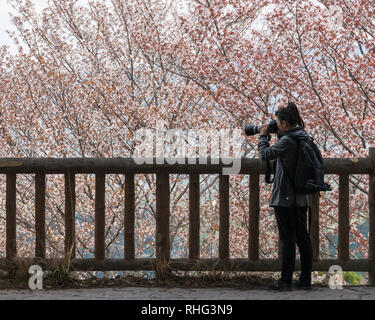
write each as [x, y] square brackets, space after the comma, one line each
[251, 130]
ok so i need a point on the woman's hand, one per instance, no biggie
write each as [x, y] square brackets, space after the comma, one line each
[264, 130]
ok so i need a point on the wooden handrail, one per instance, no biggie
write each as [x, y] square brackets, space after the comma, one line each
[127, 165]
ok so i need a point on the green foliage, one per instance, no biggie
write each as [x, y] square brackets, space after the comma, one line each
[351, 277]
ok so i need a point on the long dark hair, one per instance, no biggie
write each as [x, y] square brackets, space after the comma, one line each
[291, 115]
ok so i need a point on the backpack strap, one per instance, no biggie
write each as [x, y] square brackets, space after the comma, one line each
[285, 168]
[309, 218]
[268, 168]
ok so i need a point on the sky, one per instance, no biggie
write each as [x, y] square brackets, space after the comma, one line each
[5, 23]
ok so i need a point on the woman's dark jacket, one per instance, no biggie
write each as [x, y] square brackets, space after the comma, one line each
[285, 149]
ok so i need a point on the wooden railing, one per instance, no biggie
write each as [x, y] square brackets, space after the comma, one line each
[253, 167]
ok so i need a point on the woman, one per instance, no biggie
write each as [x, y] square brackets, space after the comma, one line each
[290, 208]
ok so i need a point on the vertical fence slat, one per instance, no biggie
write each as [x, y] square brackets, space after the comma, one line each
[11, 246]
[314, 228]
[343, 243]
[224, 217]
[129, 217]
[162, 216]
[99, 216]
[194, 219]
[40, 215]
[70, 199]
[371, 202]
[279, 249]
[254, 209]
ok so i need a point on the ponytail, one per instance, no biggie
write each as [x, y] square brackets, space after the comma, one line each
[291, 115]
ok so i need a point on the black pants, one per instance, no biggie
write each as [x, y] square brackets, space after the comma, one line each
[291, 222]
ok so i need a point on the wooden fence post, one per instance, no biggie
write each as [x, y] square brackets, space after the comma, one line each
[194, 217]
[254, 210]
[314, 228]
[70, 203]
[99, 216]
[162, 239]
[280, 249]
[224, 217]
[343, 242]
[129, 217]
[371, 201]
[40, 215]
[11, 247]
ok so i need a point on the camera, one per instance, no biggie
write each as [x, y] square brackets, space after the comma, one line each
[251, 129]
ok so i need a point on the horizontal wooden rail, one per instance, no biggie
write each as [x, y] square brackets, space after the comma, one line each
[191, 264]
[127, 165]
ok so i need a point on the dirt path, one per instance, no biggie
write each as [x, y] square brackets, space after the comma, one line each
[141, 293]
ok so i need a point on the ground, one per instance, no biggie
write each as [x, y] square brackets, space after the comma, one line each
[174, 293]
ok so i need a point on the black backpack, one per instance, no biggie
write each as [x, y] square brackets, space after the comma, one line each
[309, 177]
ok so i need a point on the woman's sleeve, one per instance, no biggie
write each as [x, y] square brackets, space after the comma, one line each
[270, 153]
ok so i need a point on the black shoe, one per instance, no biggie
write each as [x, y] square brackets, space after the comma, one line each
[281, 286]
[302, 286]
